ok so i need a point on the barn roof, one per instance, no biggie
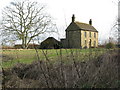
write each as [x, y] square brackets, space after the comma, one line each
[50, 40]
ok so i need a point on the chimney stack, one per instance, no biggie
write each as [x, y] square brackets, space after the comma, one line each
[90, 22]
[73, 18]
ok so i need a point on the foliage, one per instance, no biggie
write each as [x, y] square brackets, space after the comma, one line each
[7, 47]
[110, 45]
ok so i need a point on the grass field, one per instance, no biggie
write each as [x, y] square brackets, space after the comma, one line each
[27, 56]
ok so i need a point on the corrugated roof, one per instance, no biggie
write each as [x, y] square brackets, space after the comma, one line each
[85, 26]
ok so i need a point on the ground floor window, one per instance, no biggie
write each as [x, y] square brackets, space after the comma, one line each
[85, 43]
[94, 43]
[90, 41]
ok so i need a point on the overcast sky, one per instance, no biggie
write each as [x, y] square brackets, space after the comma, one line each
[102, 12]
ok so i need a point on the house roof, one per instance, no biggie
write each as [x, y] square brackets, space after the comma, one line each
[85, 26]
[80, 26]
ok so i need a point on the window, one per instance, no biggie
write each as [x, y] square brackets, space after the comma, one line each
[90, 42]
[94, 43]
[85, 42]
[89, 34]
[85, 34]
[94, 35]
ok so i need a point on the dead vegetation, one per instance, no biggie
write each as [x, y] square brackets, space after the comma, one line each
[6, 58]
[100, 72]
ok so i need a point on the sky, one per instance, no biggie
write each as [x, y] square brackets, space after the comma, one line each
[102, 12]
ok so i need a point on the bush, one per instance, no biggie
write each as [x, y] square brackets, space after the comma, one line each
[7, 47]
[110, 45]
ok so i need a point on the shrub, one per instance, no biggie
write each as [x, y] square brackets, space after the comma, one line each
[110, 45]
[7, 47]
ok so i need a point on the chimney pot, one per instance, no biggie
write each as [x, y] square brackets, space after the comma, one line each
[90, 22]
[73, 18]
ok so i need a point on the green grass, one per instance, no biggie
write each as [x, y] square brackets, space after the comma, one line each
[28, 56]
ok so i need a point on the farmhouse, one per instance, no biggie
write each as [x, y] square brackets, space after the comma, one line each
[50, 43]
[80, 35]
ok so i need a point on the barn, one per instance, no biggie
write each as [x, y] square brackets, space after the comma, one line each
[50, 43]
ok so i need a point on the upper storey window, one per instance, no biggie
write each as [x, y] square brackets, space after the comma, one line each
[94, 35]
[89, 34]
[85, 34]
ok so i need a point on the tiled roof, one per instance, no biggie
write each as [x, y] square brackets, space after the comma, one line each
[85, 26]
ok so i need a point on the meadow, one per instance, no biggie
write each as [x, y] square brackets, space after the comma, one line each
[12, 56]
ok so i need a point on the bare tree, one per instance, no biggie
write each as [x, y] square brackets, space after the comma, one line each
[118, 21]
[25, 20]
[115, 30]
